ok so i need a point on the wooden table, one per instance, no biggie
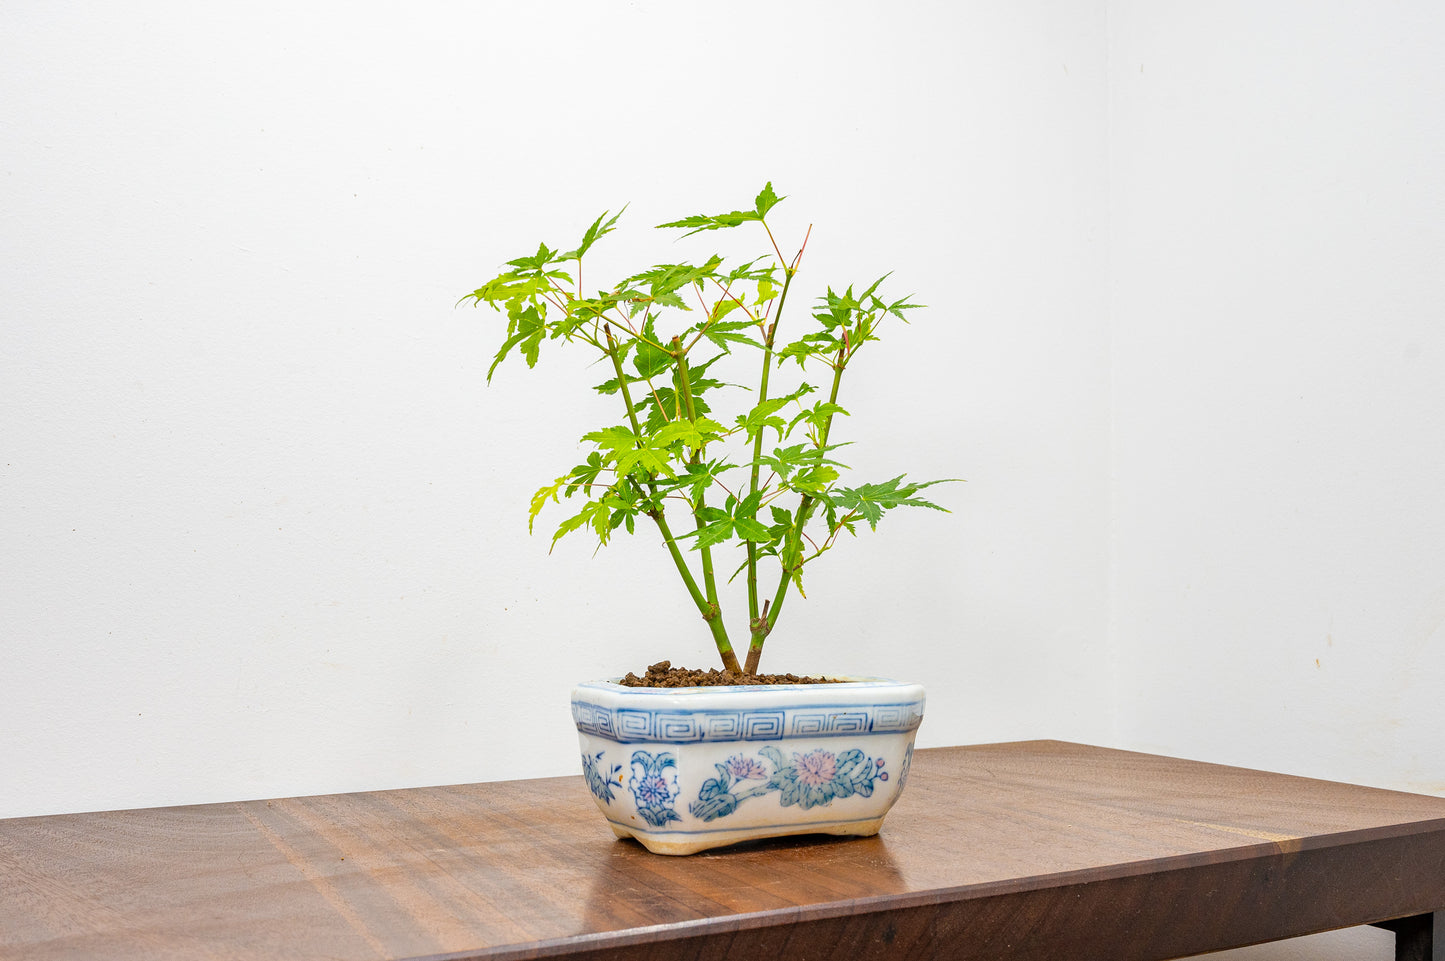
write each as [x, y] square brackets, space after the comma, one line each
[1036, 850]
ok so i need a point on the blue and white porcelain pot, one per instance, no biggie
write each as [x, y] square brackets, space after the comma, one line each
[687, 769]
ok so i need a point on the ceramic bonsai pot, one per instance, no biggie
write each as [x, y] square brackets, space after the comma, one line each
[687, 769]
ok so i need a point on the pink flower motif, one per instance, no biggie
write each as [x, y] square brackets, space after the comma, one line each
[815, 767]
[652, 791]
[746, 768]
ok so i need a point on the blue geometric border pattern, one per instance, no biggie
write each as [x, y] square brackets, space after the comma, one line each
[639, 726]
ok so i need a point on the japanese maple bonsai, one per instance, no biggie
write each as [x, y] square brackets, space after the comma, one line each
[722, 470]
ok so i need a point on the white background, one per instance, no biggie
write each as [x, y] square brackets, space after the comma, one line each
[263, 526]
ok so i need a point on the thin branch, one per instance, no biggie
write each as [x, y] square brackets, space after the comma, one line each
[781, 260]
[798, 259]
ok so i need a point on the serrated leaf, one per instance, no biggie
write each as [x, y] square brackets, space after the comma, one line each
[766, 200]
[698, 380]
[785, 460]
[594, 514]
[569, 525]
[613, 386]
[723, 307]
[583, 476]
[763, 416]
[713, 534]
[711, 515]
[679, 430]
[692, 433]
[596, 232]
[697, 223]
[664, 406]
[869, 501]
[750, 271]
[750, 529]
[650, 361]
[646, 458]
[818, 344]
[817, 416]
[530, 328]
[727, 333]
[870, 511]
[700, 477]
[897, 307]
[867, 294]
[814, 479]
[539, 500]
[613, 438]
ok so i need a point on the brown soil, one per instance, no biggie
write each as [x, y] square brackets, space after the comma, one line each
[663, 674]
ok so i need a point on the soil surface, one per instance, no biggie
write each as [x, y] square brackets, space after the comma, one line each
[663, 674]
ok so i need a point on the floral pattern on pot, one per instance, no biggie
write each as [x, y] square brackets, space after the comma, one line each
[810, 780]
[654, 786]
[598, 783]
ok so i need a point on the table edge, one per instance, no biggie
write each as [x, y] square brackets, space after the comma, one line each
[825, 911]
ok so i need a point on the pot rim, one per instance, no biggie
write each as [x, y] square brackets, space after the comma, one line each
[843, 682]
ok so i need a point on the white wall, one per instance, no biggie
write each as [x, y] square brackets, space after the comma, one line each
[1278, 218]
[263, 529]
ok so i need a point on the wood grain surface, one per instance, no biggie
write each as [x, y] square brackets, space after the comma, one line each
[1031, 850]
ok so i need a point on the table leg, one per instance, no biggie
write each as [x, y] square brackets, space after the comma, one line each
[1420, 937]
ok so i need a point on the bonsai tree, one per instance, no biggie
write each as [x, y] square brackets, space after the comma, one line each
[721, 470]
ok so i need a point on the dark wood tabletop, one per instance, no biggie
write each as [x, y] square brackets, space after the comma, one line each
[1033, 850]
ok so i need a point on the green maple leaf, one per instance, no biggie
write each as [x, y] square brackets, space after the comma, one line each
[596, 232]
[870, 501]
[766, 200]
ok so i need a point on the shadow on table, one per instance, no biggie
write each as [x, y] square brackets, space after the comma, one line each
[633, 887]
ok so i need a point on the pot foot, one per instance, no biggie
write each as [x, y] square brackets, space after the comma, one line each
[682, 844]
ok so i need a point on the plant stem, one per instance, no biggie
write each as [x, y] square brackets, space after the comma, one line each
[755, 622]
[707, 609]
[684, 384]
[795, 539]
